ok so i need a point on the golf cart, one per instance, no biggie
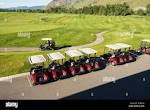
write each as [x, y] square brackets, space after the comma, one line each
[130, 55]
[38, 73]
[74, 67]
[95, 63]
[57, 70]
[118, 54]
[47, 44]
[145, 46]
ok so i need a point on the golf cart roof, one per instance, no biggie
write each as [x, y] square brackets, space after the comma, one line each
[146, 40]
[123, 45]
[36, 59]
[56, 56]
[73, 53]
[118, 46]
[88, 51]
[46, 39]
[113, 46]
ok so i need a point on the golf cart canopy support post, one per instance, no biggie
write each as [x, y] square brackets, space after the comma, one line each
[56, 56]
[73, 53]
[88, 51]
[36, 59]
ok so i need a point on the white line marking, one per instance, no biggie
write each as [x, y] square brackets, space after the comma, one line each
[109, 79]
[144, 79]
[92, 94]
[74, 79]
[29, 81]
[127, 94]
[57, 94]
[22, 94]
[10, 80]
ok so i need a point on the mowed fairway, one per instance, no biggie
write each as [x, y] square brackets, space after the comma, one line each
[65, 29]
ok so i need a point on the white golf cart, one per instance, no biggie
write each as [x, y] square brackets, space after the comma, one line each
[38, 73]
[95, 63]
[57, 70]
[145, 46]
[75, 67]
[117, 54]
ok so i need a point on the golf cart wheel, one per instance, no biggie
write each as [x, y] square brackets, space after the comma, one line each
[113, 63]
[42, 47]
[33, 83]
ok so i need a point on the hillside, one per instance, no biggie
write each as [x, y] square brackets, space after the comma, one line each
[82, 3]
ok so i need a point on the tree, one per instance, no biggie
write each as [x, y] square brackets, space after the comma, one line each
[148, 9]
[140, 12]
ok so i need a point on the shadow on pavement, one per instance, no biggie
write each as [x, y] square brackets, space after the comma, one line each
[135, 87]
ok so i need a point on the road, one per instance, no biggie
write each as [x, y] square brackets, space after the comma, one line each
[21, 88]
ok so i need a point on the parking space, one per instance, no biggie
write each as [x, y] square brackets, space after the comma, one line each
[21, 88]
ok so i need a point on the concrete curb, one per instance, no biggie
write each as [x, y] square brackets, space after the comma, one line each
[13, 76]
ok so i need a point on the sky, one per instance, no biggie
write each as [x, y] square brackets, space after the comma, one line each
[16, 3]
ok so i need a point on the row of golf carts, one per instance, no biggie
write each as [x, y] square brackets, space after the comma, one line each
[77, 62]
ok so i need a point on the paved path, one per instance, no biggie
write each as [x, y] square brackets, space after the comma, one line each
[21, 88]
[98, 40]
[18, 49]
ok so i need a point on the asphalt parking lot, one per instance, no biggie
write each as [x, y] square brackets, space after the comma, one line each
[21, 88]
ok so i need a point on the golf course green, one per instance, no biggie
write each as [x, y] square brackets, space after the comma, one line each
[27, 29]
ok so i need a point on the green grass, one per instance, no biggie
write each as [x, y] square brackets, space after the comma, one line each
[65, 29]
[60, 27]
